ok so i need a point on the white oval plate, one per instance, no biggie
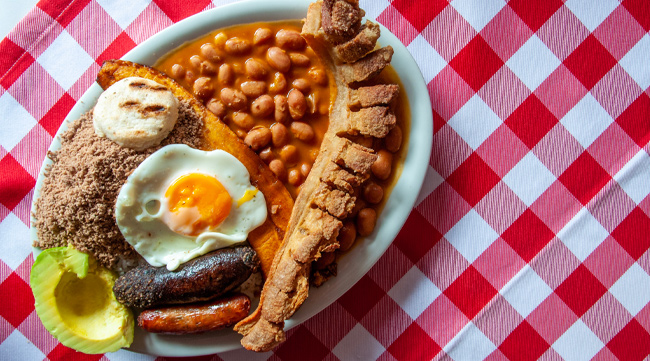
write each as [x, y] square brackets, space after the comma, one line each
[364, 255]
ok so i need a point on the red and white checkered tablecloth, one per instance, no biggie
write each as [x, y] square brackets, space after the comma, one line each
[531, 235]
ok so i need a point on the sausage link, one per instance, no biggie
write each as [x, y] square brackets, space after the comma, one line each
[195, 318]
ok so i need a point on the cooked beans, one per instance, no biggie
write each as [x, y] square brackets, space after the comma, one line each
[382, 167]
[347, 236]
[318, 75]
[278, 168]
[373, 193]
[305, 168]
[302, 131]
[290, 39]
[393, 140]
[253, 88]
[289, 154]
[279, 135]
[297, 104]
[258, 138]
[217, 107]
[279, 83]
[366, 221]
[255, 69]
[203, 87]
[195, 60]
[209, 52]
[226, 75]
[267, 155]
[300, 60]
[208, 68]
[237, 46]
[262, 106]
[178, 71]
[262, 35]
[281, 108]
[233, 99]
[220, 40]
[301, 84]
[243, 120]
[278, 59]
[294, 177]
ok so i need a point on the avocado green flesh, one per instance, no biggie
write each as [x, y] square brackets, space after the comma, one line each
[75, 302]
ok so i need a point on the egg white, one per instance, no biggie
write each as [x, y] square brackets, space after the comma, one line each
[141, 204]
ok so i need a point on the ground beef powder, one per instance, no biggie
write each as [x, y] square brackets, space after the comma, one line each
[77, 200]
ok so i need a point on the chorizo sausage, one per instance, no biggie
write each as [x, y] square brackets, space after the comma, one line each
[195, 318]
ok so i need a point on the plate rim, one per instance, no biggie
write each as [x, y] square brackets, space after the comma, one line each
[398, 207]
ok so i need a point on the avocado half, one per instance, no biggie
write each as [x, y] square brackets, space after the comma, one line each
[75, 301]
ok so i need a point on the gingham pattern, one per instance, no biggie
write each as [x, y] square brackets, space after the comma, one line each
[531, 234]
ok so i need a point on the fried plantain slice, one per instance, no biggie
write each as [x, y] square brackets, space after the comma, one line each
[265, 239]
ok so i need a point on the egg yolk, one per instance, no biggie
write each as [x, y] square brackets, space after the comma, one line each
[198, 203]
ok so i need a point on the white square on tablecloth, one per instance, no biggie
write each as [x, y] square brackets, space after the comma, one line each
[65, 60]
[587, 120]
[632, 290]
[13, 253]
[474, 122]
[578, 343]
[471, 236]
[591, 13]
[431, 181]
[373, 8]
[16, 121]
[635, 62]
[17, 347]
[115, 8]
[427, 58]
[634, 177]
[529, 178]
[358, 344]
[469, 344]
[583, 234]
[414, 292]
[478, 13]
[526, 291]
[533, 62]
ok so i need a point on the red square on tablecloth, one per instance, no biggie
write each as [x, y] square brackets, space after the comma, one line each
[417, 237]
[17, 183]
[53, 119]
[613, 149]
[632, 343]
[442, 320]
[498, 320]
[531, 121]
[420, 14]
[476, 63]
[443, 264]
[439, 32]
[608, 262]
[503, 198]
[524, 343]
[504, 92]
[177, 13]
[18, 300]
[590, 62]
[499, 263]
[448, 93]
[63, 353]
[629, 120]
[584, 178]
[120, 46]
[470, 292]
[580, 290]
[632, 234]
[527, 235]
[473, 179]
[535, 13]
[443, 207]
[402, 348]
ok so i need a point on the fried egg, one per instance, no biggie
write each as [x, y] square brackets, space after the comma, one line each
[181, 203]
